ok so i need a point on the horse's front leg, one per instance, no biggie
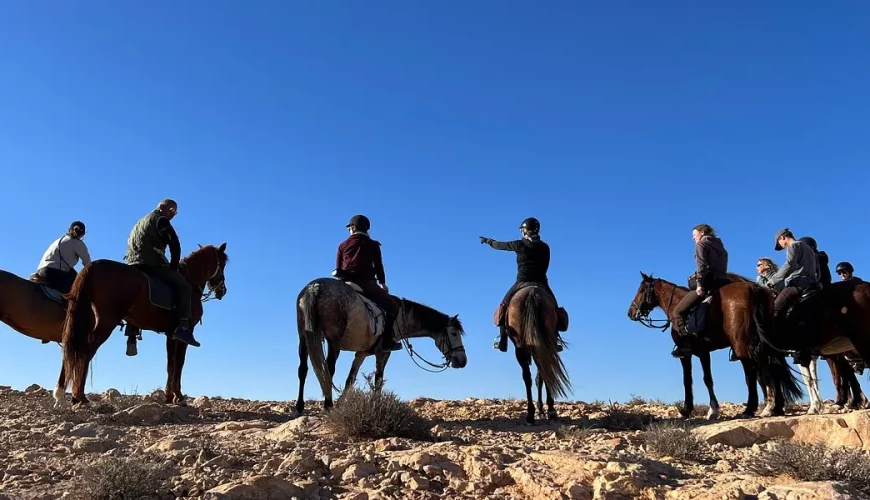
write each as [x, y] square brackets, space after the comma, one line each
[525, 361]
[60, 390]
[381, 359]
[689, 399]
[354, 370]
[713, 414]
[750, 374]
[180, 355]
[539, 384]
[170, 366]
[302, 373]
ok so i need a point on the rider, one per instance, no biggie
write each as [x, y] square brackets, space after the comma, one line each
[766, 268]
[711, 259]
[533, 261]
[800, 271]
[846, 272]
[359, 261]
[57, 267]
[824, 267]
[146, 249]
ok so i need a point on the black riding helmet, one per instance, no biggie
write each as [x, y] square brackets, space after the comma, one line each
[845, 267]
[531, 224]
[77, 228]
[361, 222]
[809, 240]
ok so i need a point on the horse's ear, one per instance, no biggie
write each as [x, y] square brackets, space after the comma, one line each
[223, 246]
[199, 245]
[644, 276]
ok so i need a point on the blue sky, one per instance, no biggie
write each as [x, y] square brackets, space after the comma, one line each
[619, 126]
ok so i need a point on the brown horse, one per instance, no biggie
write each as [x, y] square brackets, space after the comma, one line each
[107, 292]
[844, 368]
[738, 316]
[30, 308]
[531, 324]
[332, 310]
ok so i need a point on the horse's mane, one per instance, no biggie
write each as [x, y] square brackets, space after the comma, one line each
[199, 251]
[430, 317]
[738, 277]
[733, 277]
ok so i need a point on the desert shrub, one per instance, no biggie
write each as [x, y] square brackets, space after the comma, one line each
[617, 418]
[120, 479]
[813, 462]
[376, 414]
[675, 439]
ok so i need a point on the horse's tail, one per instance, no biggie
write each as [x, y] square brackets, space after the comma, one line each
[541, 342]
[308, 323]
[771, 361]
[78, 327]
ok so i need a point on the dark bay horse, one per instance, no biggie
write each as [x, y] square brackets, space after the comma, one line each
[26, 308]
[531, 323]
[107, 292]
[739, 315]
[331, 310]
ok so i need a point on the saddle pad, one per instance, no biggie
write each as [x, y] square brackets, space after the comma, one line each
[159, 293]
[376, 316]
[53, 294]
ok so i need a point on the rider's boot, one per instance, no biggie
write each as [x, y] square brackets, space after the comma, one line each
[389, 342]
[184, 334]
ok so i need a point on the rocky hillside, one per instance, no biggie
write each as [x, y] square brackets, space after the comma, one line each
[238, 449]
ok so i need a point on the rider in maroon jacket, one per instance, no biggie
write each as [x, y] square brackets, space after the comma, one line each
[359, 261]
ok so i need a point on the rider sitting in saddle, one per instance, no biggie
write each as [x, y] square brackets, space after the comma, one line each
[846, 272]
[57, 267]
[824, 273]
[711, 260]
[766, 268]
[799, 273]
[146, 249]
[533, 262]
[359, 261]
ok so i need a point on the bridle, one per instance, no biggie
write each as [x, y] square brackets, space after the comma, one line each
[651, 298]
[412, 353]
[212, 290]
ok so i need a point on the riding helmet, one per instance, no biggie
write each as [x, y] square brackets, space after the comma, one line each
[809, 240]
[361, 222]
[77, 227]
[531, 224]
[845, 267]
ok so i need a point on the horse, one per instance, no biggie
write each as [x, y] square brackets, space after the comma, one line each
[531, 323]
[107, 292]
[834, 321]
[844, 368]
[739, 315]
[337, 312]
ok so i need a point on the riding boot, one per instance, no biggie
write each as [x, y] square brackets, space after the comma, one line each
[502, 340]
[389, 342]
[184, 334]
[132, 333]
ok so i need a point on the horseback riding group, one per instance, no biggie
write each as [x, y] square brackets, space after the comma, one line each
[794, 310]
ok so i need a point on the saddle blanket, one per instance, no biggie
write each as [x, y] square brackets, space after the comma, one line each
[375, 314]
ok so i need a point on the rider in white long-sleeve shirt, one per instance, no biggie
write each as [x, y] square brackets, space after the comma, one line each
[57, 267]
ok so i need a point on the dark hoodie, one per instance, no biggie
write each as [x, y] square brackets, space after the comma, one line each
[711, 259]
[824, 269]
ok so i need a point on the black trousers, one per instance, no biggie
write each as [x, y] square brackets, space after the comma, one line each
[62, 281]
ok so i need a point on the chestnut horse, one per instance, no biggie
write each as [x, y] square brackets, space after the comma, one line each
[739, 315]
[531, 323]
[107, 292]
[331, 310]
[27, 308]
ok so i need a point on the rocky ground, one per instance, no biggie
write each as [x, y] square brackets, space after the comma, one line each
[237, 449]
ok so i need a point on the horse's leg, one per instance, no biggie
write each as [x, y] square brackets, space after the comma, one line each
[180, 354]
[170, 366]
[840, 386]
[750, 372]
[60, 390]
[380, 365]
[302, 373]
[552, 415]
[354, 370]
[814, 373]
[689, 400]
[524, 360]
[539, 383]
[101, 334]
[807, 373]
[850, 380]
[704, 357]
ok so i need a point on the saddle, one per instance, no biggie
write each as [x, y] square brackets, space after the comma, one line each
[806, 309]
[377, 318]
[160, 294]
[500, 315]
[47, 289]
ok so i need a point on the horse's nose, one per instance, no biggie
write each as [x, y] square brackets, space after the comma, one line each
[459, 361]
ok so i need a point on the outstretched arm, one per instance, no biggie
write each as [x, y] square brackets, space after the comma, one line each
[512, 246]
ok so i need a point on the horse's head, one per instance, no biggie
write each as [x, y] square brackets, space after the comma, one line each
[449, 342]
[645, 300]
[210, 264]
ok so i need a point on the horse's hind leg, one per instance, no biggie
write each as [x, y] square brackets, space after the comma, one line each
[101, 334]
[713, 414]
[539, 384]
[525, 363]
[552, 415]
[302, 373]
[60, 390]
[173, 383]
[811, 381]
[750, 372]
[840, 386]
[857, 400]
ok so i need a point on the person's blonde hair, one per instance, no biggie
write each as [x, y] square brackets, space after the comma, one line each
[705, 229]
[770, 263]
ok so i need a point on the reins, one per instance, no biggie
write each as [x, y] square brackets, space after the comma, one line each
[644, 318]
[412, 353]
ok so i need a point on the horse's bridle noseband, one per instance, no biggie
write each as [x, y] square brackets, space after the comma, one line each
[651, 299]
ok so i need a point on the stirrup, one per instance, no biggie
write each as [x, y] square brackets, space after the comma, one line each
[186, 336]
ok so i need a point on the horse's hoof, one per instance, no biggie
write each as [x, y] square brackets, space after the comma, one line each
[746, 414]
[686, 412]
[552, 416]
[712, 415]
